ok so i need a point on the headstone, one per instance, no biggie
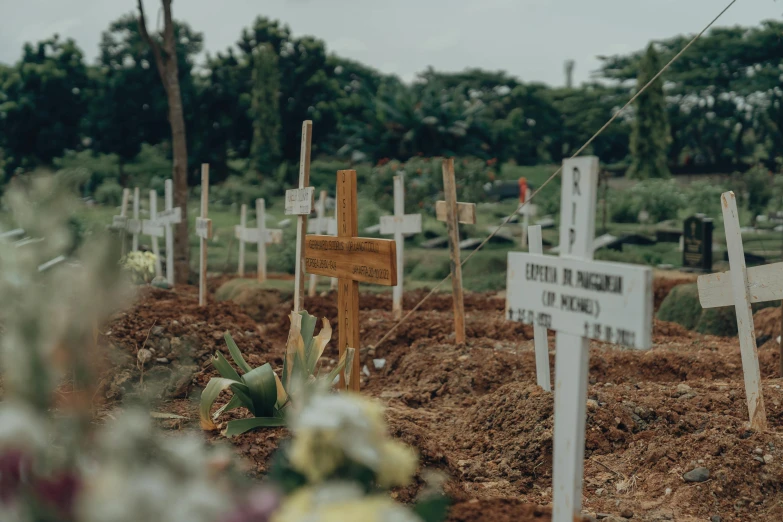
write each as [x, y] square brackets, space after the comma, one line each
[204, 232]
[697, 243]
[400, 224]
[741, 287]
[580, 299]
[351, 259]
[299, 202]
[453, 212]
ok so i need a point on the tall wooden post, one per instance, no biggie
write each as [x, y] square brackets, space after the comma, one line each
[204, 231]
[301, 220]
[450, 195]
[262, 239]
[348, 295]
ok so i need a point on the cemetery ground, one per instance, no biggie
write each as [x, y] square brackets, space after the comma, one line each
[474, 412]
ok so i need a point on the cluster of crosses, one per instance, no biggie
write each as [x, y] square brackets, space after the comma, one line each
[571, 294]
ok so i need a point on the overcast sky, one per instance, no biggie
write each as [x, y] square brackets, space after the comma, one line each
[528, 38]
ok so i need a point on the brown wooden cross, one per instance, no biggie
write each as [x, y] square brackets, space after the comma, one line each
[350, 259]
[453, 212]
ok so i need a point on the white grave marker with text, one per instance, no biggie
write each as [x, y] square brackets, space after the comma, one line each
[580, 299]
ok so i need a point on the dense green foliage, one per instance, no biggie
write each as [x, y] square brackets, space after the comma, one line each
[650, 131]
[244, 107]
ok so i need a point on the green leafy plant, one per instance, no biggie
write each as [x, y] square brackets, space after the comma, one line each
[260, 390]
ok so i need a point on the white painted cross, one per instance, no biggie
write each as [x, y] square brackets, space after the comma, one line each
[134, 225]
[152, 227]
[120, 223]
[741, 287]
[400, 224]
[171, 216]
[260, 235]
[527, 211]
[580, 299]
[203, 231]
[321, 225]
[299, 203]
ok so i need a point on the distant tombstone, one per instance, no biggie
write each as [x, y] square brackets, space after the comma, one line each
[697, 243]
[643, 217]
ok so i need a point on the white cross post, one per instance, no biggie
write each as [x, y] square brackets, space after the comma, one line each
[526, 212]
[741, 287]
[299, 203]
[580, 299]
[203, 231]
[321, 225]
[120, 223]
[260, 235]
[171, 216]
[151, 227]
[536, 246]
[400, 224]
[134, 225]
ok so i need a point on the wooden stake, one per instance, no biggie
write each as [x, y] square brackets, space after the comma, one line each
[540, 340]
[301, 220]
[204, 231]
[348, 293]
[242, 226]
[450, 195]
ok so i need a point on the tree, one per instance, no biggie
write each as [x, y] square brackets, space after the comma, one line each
[164, 49]
[650, 136]
[42, 103]
[265, 110]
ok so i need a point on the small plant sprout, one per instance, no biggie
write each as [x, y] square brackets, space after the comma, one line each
[260, 390]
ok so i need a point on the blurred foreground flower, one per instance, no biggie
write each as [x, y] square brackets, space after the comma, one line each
[140, 266]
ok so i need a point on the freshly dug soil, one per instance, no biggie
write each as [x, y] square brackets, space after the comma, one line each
[474, 412]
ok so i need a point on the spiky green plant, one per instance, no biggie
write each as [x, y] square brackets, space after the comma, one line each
[260, 390]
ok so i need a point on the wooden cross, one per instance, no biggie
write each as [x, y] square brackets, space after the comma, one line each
[540, 340]
[741, 287]
[321, 225]
[152, 227]
[203, 231]
[453, 213]
[134, 225]
[350, 259]
[580, 299]
[400, 224]
[120, 223]
[171, 216]
[260, 235]
[299, 203]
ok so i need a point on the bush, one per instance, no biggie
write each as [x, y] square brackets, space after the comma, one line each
[704, 196]
[718, 321]
[681, 306]
[109, 193]
[662, 199]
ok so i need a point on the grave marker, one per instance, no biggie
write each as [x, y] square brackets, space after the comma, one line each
[171, 216]
[260, 235]
[351, 259]
[580, 299]
[400, 224]
[120, 223]
[299, 202]
[151, 227]
[697, 243]
[134, 225]
[741, 287]
[204, 232]
[453, 212]
[321, 225]
[540, 341]
[527, 211]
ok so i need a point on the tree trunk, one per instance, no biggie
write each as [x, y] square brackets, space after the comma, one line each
[166, 62]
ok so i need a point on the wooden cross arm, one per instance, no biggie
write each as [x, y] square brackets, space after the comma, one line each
[355, 258]
[765, 283]
[466, 212]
